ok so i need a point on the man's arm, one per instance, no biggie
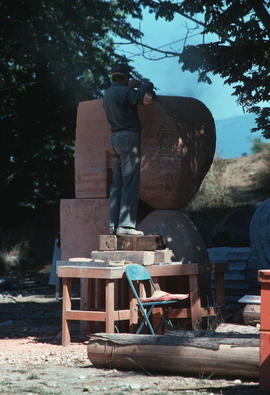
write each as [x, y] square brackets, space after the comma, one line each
[143, 95]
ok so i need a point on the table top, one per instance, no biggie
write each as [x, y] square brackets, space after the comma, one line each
[81, 269]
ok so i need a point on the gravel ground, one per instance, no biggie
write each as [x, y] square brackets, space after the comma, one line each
[32, 360]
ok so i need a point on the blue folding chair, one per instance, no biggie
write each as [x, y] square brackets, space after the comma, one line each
[138, 273]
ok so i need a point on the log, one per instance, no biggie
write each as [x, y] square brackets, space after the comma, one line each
[232, 357]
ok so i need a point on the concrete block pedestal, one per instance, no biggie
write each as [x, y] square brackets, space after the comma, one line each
[81, 223]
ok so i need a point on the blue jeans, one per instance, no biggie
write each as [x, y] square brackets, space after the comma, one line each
[125, 150]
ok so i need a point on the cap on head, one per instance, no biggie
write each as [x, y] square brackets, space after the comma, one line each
[121, 68]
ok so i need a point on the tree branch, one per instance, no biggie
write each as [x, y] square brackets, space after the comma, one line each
[262, 13]
[178, 10]
[133, 41]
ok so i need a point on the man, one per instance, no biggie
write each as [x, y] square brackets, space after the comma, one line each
[120, 104]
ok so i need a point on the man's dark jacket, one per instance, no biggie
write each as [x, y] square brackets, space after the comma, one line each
[120, 104]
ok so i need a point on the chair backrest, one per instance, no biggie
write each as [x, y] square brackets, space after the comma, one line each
[136, 272]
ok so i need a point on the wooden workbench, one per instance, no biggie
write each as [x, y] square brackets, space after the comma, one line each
[68, 270]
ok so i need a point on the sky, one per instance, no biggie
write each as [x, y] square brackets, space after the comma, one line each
[169, 79]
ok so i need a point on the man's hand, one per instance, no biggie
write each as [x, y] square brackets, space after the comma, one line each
[133, 83]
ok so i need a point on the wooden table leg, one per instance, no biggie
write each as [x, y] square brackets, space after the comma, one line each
[195, 302]
[109, 327]
[91, 304]
[66, 307]
[83, 303]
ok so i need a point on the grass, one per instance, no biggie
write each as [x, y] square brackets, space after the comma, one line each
[212, 193]
[263, 178]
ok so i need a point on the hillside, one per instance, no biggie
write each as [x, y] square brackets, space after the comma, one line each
[231, 185]
[248, 176]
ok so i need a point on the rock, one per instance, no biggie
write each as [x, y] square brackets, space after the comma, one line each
[181, 236]
[260, 237]
[178, 145]
[233, 229]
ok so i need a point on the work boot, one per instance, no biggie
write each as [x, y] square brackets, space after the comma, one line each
[121, 231]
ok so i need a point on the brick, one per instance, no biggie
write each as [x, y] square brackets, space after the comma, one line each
[81, 223]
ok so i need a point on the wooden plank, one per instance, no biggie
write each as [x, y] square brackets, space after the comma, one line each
[91, 327]
[84, 303]
[79, 315]
[168, 269]
[121, 315]
[195, 301]
[185, 312]
[91, 272]
[179, 313]
[65, 308]
[109, 306]
[173, 269]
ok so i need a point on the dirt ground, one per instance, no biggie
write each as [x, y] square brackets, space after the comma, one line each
[33, 361]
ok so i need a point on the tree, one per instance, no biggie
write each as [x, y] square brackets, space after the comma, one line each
[239, 51]
[258, 145]
[54, 54]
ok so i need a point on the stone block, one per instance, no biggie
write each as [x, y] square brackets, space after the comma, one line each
[107, 243]
[141, 257]
[92, 160]
[81, 223]
[164, 256]
[131, 243]
[140, 243]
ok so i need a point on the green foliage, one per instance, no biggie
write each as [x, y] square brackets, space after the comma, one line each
[258, 145]
[239, 51]
[54, 54]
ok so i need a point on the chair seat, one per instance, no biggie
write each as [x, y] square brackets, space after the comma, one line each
[161, 296]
